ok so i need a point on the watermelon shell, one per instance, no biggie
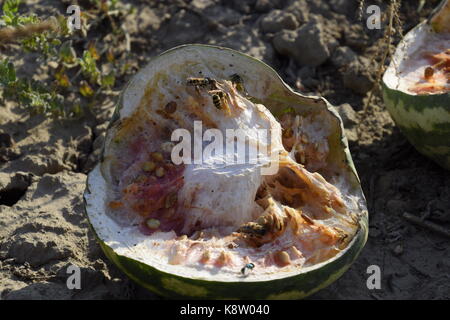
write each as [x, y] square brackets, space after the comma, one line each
[424, 119]
[276, 95]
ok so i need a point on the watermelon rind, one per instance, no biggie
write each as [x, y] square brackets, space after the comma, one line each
[423, 119]
[276, 95]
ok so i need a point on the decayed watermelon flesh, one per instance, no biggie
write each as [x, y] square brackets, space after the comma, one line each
[427, 69]
[210, 218]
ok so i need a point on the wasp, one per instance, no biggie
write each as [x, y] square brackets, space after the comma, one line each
[218, 98]
[248, 266]
[253, 228]
[237, 82]
[264, 230]
[201, 83]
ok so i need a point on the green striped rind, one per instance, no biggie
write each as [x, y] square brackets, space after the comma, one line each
[423, 119]
[292, 287]
[295, 287]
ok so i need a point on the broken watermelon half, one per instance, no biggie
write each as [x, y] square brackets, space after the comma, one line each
[416, 86]
[280, 222]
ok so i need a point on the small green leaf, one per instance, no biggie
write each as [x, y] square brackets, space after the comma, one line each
[8, 20]
[77, 109]
[109, 80]
[67, 53]
[7, 73]
[56, 42]
[10, 7]
[62, 78]
[93, 50]
[89, 67]
[85, 89]
[11, 72]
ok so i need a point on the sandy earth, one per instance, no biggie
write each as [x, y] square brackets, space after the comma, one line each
[44, 162]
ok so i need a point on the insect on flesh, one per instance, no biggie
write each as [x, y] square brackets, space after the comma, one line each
[217, 98]
[237, 82]
[201, 83]
[248, 266]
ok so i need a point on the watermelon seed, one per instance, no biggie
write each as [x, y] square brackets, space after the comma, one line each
[157, 156]
[148, 166]
[167, 147]
[160, 172]
[205, 257]
[282, 258]
[153, 223]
